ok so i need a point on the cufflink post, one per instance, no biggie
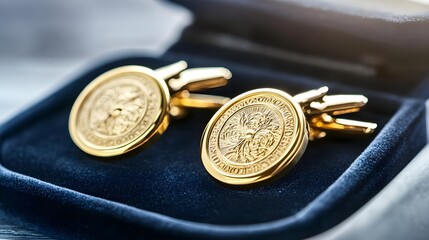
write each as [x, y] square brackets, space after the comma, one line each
[183, 82]
[320, 108]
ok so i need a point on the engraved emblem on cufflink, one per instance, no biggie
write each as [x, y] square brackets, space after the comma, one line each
[128, 107]
[263, 133]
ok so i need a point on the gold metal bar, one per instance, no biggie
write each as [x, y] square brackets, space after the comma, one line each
[193, 100]
[315, 133]
[171, 70]
[325, 122]
[337, 105]
[306, 98]
[196, 79]
[177, 112]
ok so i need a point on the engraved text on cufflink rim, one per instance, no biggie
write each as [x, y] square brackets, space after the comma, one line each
[119, 111]
[255, 136]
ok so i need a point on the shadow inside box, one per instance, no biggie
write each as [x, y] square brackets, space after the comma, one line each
[168, 177]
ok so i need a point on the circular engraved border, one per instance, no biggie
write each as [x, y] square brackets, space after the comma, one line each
[140, 134]
[120, 82]
[231, 115]
[235, 170]
[282, 161]
[94, 140]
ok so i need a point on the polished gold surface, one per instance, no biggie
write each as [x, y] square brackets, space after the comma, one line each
[305, 98]
[129, 106]
[171, 70]
[197, 79]
[337, 105]
[119, 111]
[263, 133]
[326, 122]
[195, 100]
[254, 137]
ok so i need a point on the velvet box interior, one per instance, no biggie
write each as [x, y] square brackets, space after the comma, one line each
[48, 184]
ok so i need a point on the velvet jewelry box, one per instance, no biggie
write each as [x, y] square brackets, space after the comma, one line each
[48, 184]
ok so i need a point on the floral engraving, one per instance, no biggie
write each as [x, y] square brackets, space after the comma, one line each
[117, 110]
[250, 135]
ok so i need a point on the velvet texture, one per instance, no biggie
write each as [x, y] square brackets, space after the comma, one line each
[49, 184]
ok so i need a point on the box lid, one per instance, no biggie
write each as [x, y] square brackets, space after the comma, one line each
[381, 45]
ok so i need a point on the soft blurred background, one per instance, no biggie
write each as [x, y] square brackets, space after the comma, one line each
[43, 43]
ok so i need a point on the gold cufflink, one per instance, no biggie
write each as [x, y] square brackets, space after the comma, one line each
[130, 106]
[263, 133]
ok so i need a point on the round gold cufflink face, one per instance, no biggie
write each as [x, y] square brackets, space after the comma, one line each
[130, 106]
[263, 133]
[254, 137]
[119, 111]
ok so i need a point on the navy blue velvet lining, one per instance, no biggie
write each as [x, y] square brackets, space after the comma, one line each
[165, 189]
